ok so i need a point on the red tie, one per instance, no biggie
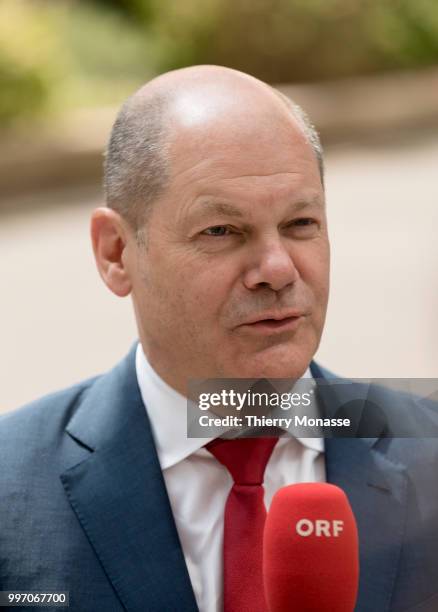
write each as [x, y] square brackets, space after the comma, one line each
[244, 520]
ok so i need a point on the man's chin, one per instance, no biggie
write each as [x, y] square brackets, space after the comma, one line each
[274, 364]
[292, 373]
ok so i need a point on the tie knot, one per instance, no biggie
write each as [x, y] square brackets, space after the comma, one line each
[244, 458]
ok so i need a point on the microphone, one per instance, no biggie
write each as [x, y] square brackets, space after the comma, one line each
[310, 550]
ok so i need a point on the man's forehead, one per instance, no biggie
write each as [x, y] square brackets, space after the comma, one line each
[235, 155]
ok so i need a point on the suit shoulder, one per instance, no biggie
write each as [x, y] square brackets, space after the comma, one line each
[43, 414]
[403, 412]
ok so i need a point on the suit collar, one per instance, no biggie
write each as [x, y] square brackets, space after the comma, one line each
[340, 397]
[120, 499]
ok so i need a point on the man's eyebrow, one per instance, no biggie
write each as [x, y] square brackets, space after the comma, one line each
[223, 208]
[300, 204]
[230, 210]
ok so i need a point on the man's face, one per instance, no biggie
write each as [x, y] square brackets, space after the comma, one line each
[233, 280]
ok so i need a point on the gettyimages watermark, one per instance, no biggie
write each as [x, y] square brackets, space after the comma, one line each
[313, 408]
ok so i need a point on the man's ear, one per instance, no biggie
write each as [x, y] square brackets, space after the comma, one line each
[109, 236]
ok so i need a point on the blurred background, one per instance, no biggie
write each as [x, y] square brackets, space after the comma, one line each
[365, 70]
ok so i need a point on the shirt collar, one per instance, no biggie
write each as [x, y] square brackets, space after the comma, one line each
[167, 411]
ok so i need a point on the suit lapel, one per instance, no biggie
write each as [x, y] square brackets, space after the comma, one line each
[377, 490]
[119, 497]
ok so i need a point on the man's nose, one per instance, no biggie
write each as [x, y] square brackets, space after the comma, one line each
[271, 266]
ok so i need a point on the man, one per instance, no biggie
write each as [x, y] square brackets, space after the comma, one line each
[216, 225]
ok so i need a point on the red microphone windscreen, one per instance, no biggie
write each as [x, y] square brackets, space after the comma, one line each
[310, 550]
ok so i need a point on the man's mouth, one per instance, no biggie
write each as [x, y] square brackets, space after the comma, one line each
[274, 324]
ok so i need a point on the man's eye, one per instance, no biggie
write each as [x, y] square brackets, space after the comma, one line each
[217, 230]
[305, 221]
[304, 228]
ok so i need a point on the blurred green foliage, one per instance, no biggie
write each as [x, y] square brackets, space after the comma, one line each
[25, 69]
[64, 53]
[300, 40]
[57, 55]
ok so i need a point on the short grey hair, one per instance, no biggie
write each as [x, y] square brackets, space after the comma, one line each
[307, 127]
[137, 165]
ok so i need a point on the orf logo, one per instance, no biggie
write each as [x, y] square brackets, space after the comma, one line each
[319, 527]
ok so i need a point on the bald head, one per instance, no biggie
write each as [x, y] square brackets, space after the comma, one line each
[204, 102]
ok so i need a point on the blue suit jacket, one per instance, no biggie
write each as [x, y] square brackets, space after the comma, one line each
[84, 508]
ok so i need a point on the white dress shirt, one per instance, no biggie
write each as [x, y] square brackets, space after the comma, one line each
[198, 485]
